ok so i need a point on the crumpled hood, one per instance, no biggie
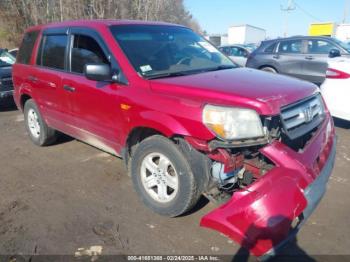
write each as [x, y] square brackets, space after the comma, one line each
[242, 87]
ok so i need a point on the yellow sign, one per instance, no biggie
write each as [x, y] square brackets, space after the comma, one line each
[322, 29]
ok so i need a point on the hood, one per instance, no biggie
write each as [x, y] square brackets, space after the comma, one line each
[5, 71]
[241, 87]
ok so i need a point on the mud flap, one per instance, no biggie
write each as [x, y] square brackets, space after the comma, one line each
[263, 215]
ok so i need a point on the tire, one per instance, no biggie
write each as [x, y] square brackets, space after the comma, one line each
[268, 69]
[39, 132]
[179, 200]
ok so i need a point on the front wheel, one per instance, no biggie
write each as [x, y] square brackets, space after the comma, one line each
[163, 178]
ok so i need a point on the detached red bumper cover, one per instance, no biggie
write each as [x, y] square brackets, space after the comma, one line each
[263, 216]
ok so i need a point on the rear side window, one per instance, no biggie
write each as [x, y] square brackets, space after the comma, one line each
[86, 51]
[52, 51]
[292, 46]
[239, 52]
[225, 50]
[26, 49]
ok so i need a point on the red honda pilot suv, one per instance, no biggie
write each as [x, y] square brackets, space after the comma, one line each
[186, 121]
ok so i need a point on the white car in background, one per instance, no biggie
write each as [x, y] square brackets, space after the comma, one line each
[336, 88]
[237, 53]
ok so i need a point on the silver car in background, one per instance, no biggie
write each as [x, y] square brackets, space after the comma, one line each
[237, 53]
[304, 57]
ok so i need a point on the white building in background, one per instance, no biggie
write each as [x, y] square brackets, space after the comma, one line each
[245, 34]
[217, 39]
[343, 32]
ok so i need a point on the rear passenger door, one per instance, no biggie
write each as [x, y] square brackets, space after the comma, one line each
[94, 105]
[290, 58]
[47, 78]
[315, 64]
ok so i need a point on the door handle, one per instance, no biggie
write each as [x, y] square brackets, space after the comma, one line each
[69, 88]
[276, 56]
[309, 57]
[32, 79]
[51, 84]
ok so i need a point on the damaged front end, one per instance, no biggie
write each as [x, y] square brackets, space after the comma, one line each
[267, 188]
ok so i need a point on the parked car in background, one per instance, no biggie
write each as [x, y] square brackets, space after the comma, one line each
[336, 87]
[185, 119]
[6, 61]
[304, 57]
[13, 52]
[237, 53]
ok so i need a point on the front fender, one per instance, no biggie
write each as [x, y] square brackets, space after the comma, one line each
[163, 123]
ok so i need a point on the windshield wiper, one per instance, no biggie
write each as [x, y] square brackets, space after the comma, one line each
[189, 72]
[170, 74]
[220, 67]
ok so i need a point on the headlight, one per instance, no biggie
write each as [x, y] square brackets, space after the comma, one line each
[232, 123]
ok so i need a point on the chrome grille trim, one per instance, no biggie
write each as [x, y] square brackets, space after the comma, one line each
[301, 117]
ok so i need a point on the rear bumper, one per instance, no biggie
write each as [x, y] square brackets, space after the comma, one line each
[265, 215]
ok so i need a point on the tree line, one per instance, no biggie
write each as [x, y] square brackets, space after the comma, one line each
[17, 15]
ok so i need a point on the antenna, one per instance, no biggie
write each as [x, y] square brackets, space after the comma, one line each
[290, 7]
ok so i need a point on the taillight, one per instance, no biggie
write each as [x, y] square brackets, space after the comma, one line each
[336, 74]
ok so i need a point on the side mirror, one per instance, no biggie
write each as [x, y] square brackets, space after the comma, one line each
[334, 53]
[98, 72]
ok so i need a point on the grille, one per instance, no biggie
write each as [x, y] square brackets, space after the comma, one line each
[302, 117]
[6, 84]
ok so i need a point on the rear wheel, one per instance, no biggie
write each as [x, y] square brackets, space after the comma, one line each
[39, 132]
[268, 69]
[163, 178]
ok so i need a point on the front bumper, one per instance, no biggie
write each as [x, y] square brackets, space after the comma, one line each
[313, 195]
[4, 94]
[265, 215]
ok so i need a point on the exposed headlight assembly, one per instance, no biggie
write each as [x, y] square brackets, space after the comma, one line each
[229, 123]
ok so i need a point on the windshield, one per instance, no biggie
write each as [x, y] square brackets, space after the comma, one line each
[6, 59]
[161, 51]
[344, 45]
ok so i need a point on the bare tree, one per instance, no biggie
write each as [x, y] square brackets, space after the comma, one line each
[16, 15]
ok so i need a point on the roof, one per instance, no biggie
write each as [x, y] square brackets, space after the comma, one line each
[99, 22]
[297, 37]
[248, 26]
[217, 35]
[233, 45]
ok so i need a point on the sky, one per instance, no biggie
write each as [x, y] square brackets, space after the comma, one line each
[216, 16]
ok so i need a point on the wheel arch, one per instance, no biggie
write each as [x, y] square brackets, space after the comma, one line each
[149, 123]
[271, 66]
[24, 97]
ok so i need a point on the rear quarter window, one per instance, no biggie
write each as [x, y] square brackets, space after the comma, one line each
[26, 49]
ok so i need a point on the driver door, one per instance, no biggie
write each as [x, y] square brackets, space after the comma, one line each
[316, 59]
[94, 105]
